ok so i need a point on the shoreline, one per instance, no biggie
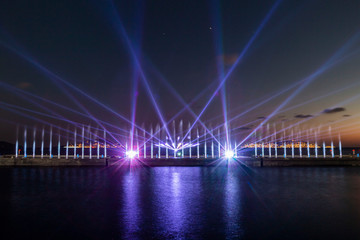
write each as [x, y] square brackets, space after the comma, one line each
[350, 161]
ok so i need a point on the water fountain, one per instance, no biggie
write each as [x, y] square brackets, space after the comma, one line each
[183, 147]
[67, 149]
[144, 134]
[269, 145]
[17, 143]
[205, 147]
[340, 147]
[284, 141]
[90, 142]
[25, 147]
[157, 130]
[152, 143]
[292, 144]
[268, 133]
[174, 139]
[167, 149]
[181, 137]
[198, 144]
[98, 150]
[50, 143]
[137, 143]
[256, 149]
[219, 146]
[82, 142]
[105, 145]
[212, 149]
[189, 137]
[59, 146]
[34, 142]
[316, 145]
[42, 142]
[75, 143]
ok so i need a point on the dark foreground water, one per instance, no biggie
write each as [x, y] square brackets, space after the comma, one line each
[180, 203]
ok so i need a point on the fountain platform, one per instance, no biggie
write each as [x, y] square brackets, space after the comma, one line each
[11, 161]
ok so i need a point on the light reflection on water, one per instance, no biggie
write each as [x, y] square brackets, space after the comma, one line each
[181, 202]
[130, 210]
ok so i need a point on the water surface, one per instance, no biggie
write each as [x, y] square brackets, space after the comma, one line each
[180, 203]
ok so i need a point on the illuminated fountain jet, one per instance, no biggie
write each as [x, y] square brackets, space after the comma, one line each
[178, 148]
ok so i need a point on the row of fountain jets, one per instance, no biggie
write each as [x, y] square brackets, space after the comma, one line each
[174, 149]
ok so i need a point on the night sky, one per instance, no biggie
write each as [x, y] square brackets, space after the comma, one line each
[184, 48]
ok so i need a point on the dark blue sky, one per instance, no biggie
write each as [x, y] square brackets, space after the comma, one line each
[182, 43]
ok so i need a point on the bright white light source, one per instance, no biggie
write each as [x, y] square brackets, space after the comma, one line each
[229, 153]
[131, 154]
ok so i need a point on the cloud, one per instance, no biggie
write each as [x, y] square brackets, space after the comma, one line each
[23, 85]
[334, 110]
[346, 115]
[303, 116]
[228, 59]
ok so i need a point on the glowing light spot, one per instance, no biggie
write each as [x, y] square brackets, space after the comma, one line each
[131, 154]
[229, 153]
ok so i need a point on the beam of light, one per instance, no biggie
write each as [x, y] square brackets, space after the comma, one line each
[217, 35]
[76, 124]
[135, 80]
[116, 20]
[245, 49]
[291, 87]
[23, 93]
[320, 97]
[133, 106]
[184, 108]
[55, 78]
[310, 101]
[261, 103]
[264, 99]
[315, 115]
[2, 105]
[252, 108]
[58, 116]
[328, 64]
[325, 68]
[319, 134]
[182, 101]
[31, 117]
[15, 90]
[180, 146]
